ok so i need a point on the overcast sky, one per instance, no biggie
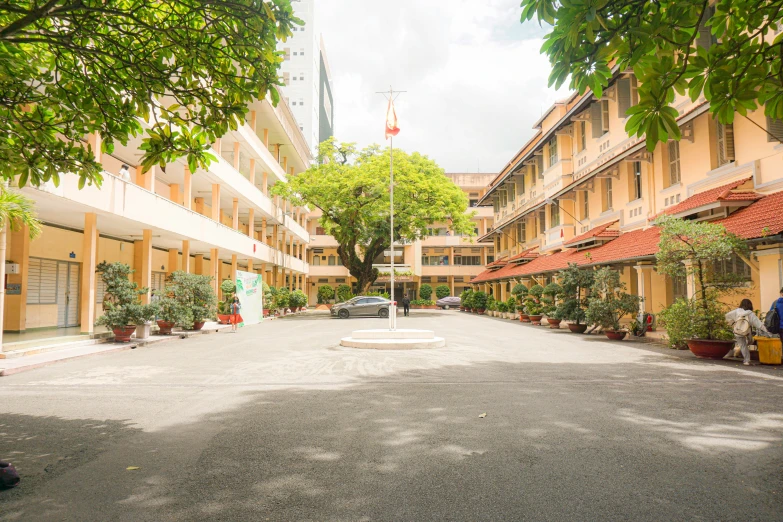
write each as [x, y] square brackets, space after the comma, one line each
[474, 77]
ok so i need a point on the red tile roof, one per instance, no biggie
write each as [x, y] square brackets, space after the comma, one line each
[599, 232]
[525, 254]
[761, 219]
[499, 262]
[723, 193]
[631, 245]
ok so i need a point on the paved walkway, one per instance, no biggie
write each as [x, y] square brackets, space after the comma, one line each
[277, 422]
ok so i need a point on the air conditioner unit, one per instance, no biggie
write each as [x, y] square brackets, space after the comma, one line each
[11, 268]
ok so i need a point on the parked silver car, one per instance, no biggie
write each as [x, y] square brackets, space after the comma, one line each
[448, 302]
[361, 305]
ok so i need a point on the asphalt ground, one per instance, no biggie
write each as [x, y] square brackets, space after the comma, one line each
[277, 422]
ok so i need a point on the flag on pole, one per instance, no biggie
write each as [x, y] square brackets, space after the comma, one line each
[391, 121]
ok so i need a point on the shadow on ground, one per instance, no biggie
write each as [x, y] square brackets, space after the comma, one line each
[558, 442]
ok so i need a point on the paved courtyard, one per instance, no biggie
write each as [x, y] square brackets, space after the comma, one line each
[279, 423]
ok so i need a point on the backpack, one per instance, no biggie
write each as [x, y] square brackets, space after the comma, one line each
[772, 321]
[742, 326]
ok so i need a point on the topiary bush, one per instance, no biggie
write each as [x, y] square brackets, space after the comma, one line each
[344, 293]
[425, 292]
[325, 294]
[479, 300]
[442, 291]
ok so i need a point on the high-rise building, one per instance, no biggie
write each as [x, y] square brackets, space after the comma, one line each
[305, 73]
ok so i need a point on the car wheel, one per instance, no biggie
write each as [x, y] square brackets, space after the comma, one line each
[446, 307]
[343, 314]
[383, 312]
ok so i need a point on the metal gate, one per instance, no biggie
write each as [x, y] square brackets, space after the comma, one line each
[67, 294]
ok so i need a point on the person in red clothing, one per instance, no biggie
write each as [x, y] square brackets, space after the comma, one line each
[235, 317]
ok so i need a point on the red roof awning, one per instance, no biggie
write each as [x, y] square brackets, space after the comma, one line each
[730, 194]
[599, 232]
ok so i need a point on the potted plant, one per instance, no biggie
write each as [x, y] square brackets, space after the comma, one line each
[425, 292]
[550, 298]
[325, 295]
[533, 306]
[576, 285]
[122, 301]
[480, 302]
[520, 292]
[442, 291]
[196, 295]
[343, 293]
[229, 288]
[467, 300]
[283, 300]
[463, 297]
[170, 313]
[491, 305]
[299, 300]
[502, 308]
[611, 303]
[689, 249]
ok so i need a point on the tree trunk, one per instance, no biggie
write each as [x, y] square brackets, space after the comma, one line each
[359, 268]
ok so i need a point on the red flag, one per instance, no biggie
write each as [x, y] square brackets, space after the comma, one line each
[391, 121]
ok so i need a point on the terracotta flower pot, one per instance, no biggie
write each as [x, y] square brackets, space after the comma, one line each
[481, 311]
[164, 327]
[123, 334]
[536, 319]
[224, 318]
[524, 318]
[577, 328]
[198, 326]
[461, 308]
[710, 349]
[266, 312]
[554, 324]
[616, 336]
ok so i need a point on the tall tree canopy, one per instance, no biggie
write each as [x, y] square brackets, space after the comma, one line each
[186, 68]
[352, 189]
[727, 51]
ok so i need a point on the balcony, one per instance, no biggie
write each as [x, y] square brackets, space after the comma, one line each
[328, 271]
[558, 176]
[450, 241]
[125, 209]
[451, 270]
[322, 241]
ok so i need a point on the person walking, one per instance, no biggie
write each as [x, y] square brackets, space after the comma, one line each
[777, 305]
[406, 305]
[742, 321]
[235, 308]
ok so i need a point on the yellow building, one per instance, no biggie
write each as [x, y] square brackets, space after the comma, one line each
[206, 222]
[439, 259]
[582, 191]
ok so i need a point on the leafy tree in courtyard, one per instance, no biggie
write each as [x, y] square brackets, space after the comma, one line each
[186, 68]
[728, 52]
[352, 190]
[425, 292]
[442, 291]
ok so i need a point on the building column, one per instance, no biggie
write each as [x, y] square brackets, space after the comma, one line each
[251, 223]
[199, 206]
[237, 156]
[235, 214]
[484, 256]
[265, 138]
[213, 254]
[451, 285]
[291, 280]
[265, 183]
[250, 265]
[251, 176]
[216, 202]
[88, 283]
[174, 193]
[198, 264]
[234, 267]
[643, 275]
[263, 231]
[275, 282]
[187, 196]
[451, 256]
[186, 256]
[16, 246]
[143, 256]
[146, 180]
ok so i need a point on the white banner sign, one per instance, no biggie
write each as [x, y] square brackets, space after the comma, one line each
[250, 290]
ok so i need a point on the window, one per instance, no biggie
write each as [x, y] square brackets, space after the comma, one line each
[774, 129]
[522, 185]
[637, 179]
[583, 134]
[316, 261]
[434, 260]
[585, 205]
[301, 77]
[443, 279]
[42, 281]
[554, 215]
[553, 151]
[490, 259]
[725, 143]
[522, 231]
[473, 202]
[332, 260]
[674, 162]
[467, 260]
[599, 118]
[607, 194]
[731, 269]
[627, 95]
[540, 166]
[301, 52]
[541, 222]
[605, 116]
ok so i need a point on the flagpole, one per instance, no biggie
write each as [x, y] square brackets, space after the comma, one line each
[393, 315]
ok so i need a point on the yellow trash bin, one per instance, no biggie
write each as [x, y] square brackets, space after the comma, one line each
[770, 350]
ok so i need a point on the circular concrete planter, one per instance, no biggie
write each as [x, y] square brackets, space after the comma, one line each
[123, 335]
[616, 336]
[710, 349]
[577, 328]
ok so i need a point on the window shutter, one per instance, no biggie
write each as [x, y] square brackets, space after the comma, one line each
[595, 120]
[540, 166]
[774, 129]
[623, 96]
[705, 38]
[725, 143]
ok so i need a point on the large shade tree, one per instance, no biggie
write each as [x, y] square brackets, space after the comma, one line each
[177, 72]
[351, 188]
[728, 51]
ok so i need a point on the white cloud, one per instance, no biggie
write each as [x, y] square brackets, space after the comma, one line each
[474, 77]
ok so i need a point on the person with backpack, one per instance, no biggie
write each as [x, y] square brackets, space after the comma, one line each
[742, 321]
[774, 319]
